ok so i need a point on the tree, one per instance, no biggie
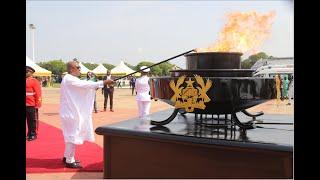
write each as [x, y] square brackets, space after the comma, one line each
[248, 63]
[57, 67]
[166, 67]
[260, 55]
[156, 70]
[159, 70]
[90, 66]
[108, 66]
[131, 66]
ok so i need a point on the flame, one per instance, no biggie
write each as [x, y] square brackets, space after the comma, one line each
[244, 32]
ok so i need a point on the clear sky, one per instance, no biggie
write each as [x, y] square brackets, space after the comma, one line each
[110, 31]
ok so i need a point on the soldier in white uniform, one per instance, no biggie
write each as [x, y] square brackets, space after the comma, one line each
[76, 105]
[143, 93]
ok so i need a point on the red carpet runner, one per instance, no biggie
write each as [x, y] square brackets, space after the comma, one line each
[45, 153]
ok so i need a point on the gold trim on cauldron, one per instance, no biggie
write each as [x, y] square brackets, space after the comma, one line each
[190, 96]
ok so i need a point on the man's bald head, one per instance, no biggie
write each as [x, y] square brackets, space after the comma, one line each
[73, 68]
[71, 65]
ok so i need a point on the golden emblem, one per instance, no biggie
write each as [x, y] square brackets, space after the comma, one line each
[190, 97]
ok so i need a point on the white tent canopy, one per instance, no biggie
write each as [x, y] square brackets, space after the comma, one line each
[83, 70]
[39, 71]
[122, 69]
[100, 70]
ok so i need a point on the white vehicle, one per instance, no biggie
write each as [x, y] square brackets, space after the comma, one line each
[271, 71]
[274, 66]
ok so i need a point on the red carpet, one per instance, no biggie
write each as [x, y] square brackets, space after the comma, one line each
[45, 153]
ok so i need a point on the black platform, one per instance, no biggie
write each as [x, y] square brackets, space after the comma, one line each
[183, 149]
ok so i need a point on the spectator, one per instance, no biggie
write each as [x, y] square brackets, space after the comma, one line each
[285, 87]
[132, 84]
[278, 91]
[91, 77]
[108, 90]
[291, 90]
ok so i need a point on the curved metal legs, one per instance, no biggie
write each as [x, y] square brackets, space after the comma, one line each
[244, 126]
[160, 128]
[252, 115]
[182, 111]
[234, 118]
[166, 121]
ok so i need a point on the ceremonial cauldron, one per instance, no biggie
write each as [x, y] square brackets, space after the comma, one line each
[232, 89]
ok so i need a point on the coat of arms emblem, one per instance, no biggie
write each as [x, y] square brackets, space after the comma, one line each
[190, 95]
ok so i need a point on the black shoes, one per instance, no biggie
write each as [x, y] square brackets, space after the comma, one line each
[32, 137]
[64, 160]
[75, 164]
[72, 165]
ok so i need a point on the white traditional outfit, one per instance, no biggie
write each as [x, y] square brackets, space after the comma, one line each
[143, 97]
[76, 105]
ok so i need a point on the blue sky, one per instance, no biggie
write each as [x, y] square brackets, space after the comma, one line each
[110, 31]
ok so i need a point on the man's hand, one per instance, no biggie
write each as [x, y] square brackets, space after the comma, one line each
[107, 82]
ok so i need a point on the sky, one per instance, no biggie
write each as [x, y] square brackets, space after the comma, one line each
[135, 31]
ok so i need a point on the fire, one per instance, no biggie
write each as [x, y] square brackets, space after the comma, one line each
[244, 32]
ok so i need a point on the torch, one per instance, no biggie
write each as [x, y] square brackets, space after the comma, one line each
[155, 64]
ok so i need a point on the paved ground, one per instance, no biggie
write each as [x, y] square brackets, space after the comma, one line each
[124, 108]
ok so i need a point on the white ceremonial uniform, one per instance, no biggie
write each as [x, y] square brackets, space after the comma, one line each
[143, 97]
[76, 105]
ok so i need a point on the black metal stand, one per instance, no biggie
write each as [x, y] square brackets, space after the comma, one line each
[234, 119]
[166, 121]
[212, 120]
[252, 115]
[243, 126]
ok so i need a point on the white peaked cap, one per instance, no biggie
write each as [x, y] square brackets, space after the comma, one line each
[146, 70]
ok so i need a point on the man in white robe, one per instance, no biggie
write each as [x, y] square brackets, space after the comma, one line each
[76, 105]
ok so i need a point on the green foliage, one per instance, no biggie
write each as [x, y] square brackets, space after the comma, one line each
[90, 66]
[144, 63]
[159, 70]
[131, 66]
[260, 55]
[248, 63]
[108, 66]
[55, 66]
[154, 70]
[166, 67]
[58, 67]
